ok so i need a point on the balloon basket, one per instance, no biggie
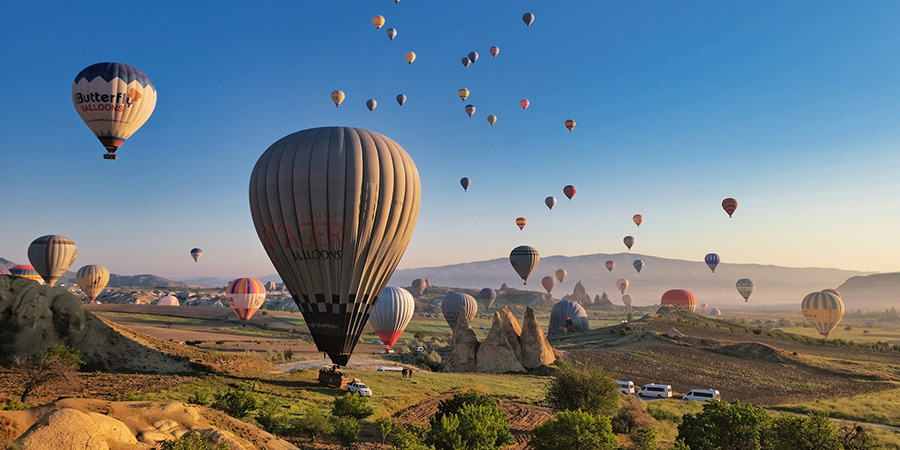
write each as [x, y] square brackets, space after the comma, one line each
[110, 156]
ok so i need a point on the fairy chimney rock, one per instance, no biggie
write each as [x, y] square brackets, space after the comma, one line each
[495, 355]
[463, 347]
[536, 351]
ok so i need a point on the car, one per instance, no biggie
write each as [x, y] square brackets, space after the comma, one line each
[389, 369]
[701, 395]
[625, 387]
[653, 390]
[357, 387]
[420, 349]
[375, 341]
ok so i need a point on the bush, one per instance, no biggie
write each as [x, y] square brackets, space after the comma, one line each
[352, 405]
[346, 431]
[588, 389]
[574, 430]
[790, 432]
[644, 439]
[630, 417]
[312, 424]
[455, 404]
[236, 403]
[271, 415]
[475, 427]
[721, 425]
[190, 441]
[58, 362]
[402, 438]
[384, 425]
[201, 398]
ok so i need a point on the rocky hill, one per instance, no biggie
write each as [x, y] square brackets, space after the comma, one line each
[879, 291]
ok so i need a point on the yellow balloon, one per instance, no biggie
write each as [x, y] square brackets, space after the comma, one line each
[378, 21]
[823, 310]
[463, 94]
[92, 279]
[337, 97]
[410, 57]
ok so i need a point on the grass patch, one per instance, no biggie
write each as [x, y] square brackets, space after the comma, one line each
[254, 331]
[877, 407]
[149, 317]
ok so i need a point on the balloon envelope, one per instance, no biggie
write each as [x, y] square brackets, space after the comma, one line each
[371, 104]
[196, 253]
[521, 222]
[4, 271]
[823, 310]
[473, 56]
[378, 21]
[451, 305]
[92, 280]
[466, 62]
[487, 295]
[638, 219]
[638, 265]
[335, 208]
[627, 299]
[401, 99]
[561, 274]
[245, 296]
[392, 314]
[470, 109]
[567, 309]
[337, 97]
[391, 33]
[549, 283]
[114, 100]
[629, 241]
[463, 94]
[495, 51]
[524, 260]
[27, 272]
[679, 298]
[492, 119]
[610, 265]
[745, 287]
[569, 191]
[622, 284]
[465, 182]
[524, 103]
[528, 18]
[833, 291]
[410, 57]
[712, 260]
[51, 256]
[570, 124]
[169, 300]
[550, 202]
[729, 205]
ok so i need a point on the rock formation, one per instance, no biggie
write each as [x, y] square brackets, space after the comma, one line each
[536, 351]
[418, 287]
[463, 347]
[495, 354]
[579, 294]
[604, 303]
[511, 331]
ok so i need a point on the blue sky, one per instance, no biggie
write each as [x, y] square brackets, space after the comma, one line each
[790, 107]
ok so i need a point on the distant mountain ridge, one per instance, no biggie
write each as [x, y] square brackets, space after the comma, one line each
[879, 290]
[116, 280]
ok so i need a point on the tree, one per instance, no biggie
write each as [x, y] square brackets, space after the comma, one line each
[346, 431]
[735, 425]
[402, 438]
[454, 405]
[574, 430]
[270, 415]
[352, 405]
[856, 437]
[312, 424]
[644, 439]
[190, 441]
[630, 417]
[588, 389]
[58, 362]
[475, 427]
[235, 402]
[384, 425]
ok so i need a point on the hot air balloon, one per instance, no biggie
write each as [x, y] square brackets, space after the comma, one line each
[371, 104]
[463, 94]
[833, 291]
[196, 253]
[245, 296]
[492, 119]
[714, 312]
[335, 208]
[520, 222]
[169, 300]
[622, 285]
[712, 260]
[378, 21]
[92, 279]
[823, 310]
[410, 57]
[569, 191]
[466, 62]
[629, 241]
[114, 100]
[396, 2]
[638, 219]
[487, 295]
[494, 51]
[419, 286]
[452, 304]
[703, 307]
[27, 272]
[610, 265]
[561, 274]
[337, 97]
[524, 260]
[392, 314]
[638, 265]
[729, 205]
[401, 99]
[470, 109]
[473, 56]
[549, 283]
[679, 298]
[528, 18]
[4, 271]
[627, 300]
[550, 202]
[524, 103]
[570, 125]
[465, 182]
[567, 309]
[391, 33]
[745, 287]
[51, 256]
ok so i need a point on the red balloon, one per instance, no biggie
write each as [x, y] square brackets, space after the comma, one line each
[524, 103]
[680, 298]
[569, 191]
[610, 265]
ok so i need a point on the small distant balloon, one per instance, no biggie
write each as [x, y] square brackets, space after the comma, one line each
[550, 202]
[627, 300]
[245, 296]
[337, 97]
[524, 259]
[391, 33]
[27, 272]
[823, 310]
[638, 265]
[729, 205]
[528, 18]
[410, 57]
[570, 124]
[465, 182]
[378, 21]
[561, 274]
[92, 279]
[629, 241]
[622, 284]
[196, 253]
[470, 109]
[549, 283]
[745, 287]
[492, 119]
[610, 265]
[371, 104]
[520, 222]
[524, 103]
[473, 56]
[463, 94]
[495, 51]
[487, 295]
[569, 191]
[638, 219]
[833, 291]
[465, 61]
[401, 99]
[712, 260]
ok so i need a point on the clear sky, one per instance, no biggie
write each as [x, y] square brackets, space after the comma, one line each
[791, 107]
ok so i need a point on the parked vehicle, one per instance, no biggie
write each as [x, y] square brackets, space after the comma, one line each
[389, 369]
[625, 387]
[357, 387]
[375, 341]
[420, 349]
[701, 395]
[656, 391]
[331, 376]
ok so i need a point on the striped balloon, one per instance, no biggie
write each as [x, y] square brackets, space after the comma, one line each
[638, 265]
[679, 298]
[823, 310]
[745, 287]
[729, 205]
[92, 280]
[712, 260]
[245, 296]
[51, 256]
[196, 253]
[452, 304]
[567, 309]
[392, 314]
[27, 272]
[520, 222]
[524, 260]
[4, 271]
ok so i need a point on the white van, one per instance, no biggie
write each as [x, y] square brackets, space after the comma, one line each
[702, 395]
[656, 391]
[625, 387]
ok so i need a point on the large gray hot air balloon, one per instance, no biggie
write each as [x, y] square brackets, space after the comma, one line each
[453, 302]
[392, 314]
[524, 260]
[334, 208]
[567, 308]
[51, 256]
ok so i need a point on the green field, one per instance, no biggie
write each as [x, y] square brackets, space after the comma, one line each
[879, 407]
[150, 317]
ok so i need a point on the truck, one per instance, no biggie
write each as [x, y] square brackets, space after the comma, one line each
[331, 376]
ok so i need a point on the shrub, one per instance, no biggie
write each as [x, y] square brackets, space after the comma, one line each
[455, 404]
[312, 424]
[220, 342]
[474, 427]
[190, 441]
[734, 425]
[271, 415]
[352, 405]
[288, 355]
[384, 425]
[402, 438]
[201, 398]
[574, 430]
[588, 389]
[59, 362]
[630, 417]
[790, 432]
[235, 402]
[346, 431]
[644, 439]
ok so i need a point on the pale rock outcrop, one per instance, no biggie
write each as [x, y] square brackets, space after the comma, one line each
[604, 303]
[463, 347]
[495, 355]
[579, 294]
[64, 428]
[536, 351]
[674, 334]
[511, 331]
